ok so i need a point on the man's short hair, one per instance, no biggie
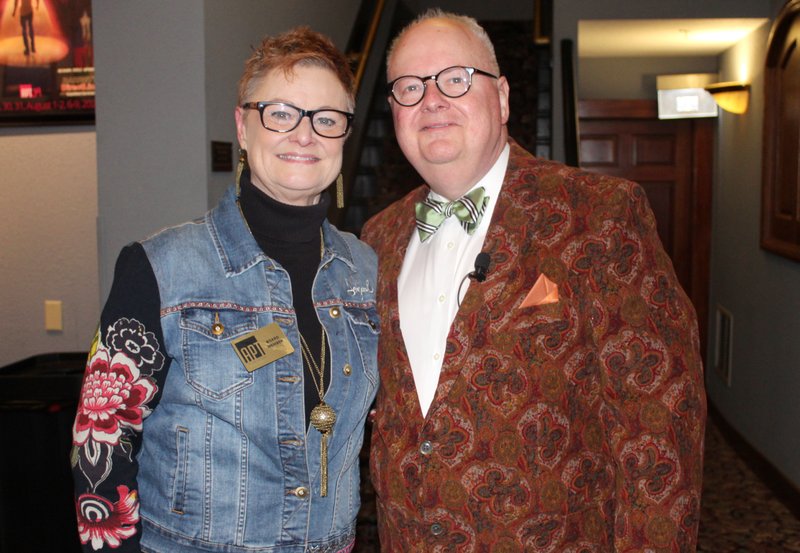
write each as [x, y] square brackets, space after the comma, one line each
[465, 21]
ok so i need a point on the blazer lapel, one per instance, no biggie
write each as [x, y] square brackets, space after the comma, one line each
[510, 276]
[402, 390]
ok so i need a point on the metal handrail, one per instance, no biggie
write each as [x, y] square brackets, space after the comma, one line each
[368, 42]
[367, 75]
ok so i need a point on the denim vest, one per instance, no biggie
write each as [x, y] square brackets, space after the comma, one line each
[226, 462]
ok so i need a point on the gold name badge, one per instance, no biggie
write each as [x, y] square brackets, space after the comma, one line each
[262, 347]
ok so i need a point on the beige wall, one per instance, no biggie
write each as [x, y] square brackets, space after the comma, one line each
[153, 155]
[56, 236]
[49, 246]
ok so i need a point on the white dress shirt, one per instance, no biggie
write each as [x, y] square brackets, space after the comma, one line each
[429, 282]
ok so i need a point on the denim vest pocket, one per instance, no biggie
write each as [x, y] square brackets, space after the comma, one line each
[366, 327]
[364, 320]
[210, 363]
[181, 473]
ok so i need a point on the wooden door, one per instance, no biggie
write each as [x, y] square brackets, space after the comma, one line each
[671, 160]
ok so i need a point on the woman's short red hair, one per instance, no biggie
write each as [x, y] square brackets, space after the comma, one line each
[298, 46]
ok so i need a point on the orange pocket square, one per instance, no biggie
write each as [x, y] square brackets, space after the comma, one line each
[544, 291]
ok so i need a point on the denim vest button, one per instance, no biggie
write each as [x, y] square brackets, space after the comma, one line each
[347, 369]
[426, 448]
[335, 312]
[437, 529]
[301, 492]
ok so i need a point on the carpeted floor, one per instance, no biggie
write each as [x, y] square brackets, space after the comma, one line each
[744, 510]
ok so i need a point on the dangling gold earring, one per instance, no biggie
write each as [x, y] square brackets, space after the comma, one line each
[240, 167]
[339, 191]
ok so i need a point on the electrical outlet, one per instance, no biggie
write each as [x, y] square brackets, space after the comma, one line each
[53, 319]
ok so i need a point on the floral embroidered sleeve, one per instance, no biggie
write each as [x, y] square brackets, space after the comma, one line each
[124, 374]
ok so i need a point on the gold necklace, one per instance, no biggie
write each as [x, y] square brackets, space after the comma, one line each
[323, 416]
[314, 368]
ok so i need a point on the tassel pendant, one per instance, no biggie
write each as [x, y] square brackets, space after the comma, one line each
[323, 418]
[323, 465]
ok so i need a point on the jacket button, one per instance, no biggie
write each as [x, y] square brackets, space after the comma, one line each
[426, 447]
[301, 492]
[335, 312]
[437, 529]
[347, 369]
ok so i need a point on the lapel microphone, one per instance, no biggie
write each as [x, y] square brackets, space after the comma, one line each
[481, 267]
[479, 274]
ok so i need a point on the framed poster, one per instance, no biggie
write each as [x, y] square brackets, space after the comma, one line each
[46, 62]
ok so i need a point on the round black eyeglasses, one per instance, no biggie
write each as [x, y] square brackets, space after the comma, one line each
[453, 82]
[280, 117]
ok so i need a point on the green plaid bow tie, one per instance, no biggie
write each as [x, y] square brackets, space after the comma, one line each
[468, 209]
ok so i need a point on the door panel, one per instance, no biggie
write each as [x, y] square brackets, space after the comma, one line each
[671, 160]
[656, 155]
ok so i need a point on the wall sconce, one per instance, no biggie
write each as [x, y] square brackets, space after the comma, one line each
[730, 96]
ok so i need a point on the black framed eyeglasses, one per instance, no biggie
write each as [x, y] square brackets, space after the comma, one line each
[453, 82]
[281, 117]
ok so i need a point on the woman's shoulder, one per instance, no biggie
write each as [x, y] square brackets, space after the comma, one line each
[359, 250]
[197, 229]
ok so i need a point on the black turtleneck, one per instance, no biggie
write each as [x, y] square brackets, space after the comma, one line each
[291, 236]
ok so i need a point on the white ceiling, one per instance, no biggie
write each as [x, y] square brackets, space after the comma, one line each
[661, 37]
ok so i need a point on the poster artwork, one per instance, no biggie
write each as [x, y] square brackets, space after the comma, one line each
[46, 62]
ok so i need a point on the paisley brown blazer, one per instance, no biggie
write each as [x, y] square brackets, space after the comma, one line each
[574, 426]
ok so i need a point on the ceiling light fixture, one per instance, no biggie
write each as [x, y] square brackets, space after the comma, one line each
[730, 96]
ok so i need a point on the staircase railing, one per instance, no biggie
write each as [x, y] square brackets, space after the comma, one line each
[367, 75]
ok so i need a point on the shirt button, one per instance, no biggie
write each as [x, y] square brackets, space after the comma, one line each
[436, 356]
[441, 298]
[451, 245]
[347, 369]
[301, 492]
[334, 312]
[426, 447]
[437, 529]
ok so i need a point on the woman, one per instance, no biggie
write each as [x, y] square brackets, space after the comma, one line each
[225, 395]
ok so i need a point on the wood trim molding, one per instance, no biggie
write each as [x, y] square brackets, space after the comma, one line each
[780, 232]
[618, 109]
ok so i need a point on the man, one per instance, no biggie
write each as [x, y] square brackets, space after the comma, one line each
[558, 405]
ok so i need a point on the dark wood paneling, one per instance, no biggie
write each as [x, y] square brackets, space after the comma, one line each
[780, 205]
